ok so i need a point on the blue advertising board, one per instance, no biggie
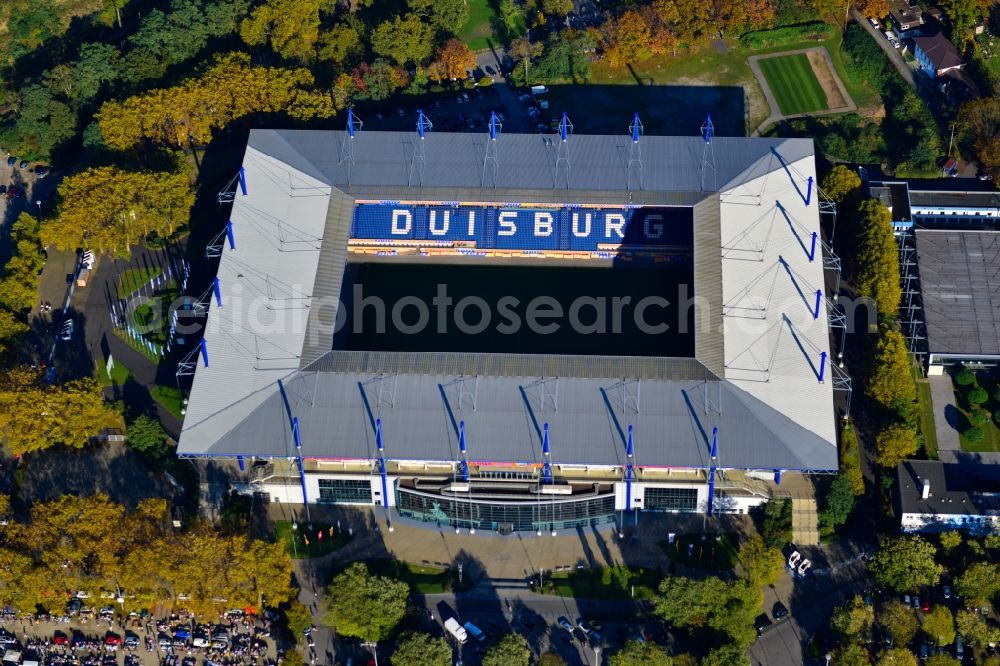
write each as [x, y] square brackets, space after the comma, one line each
[526, 228]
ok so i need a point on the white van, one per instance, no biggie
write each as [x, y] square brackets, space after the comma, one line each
[456, 630]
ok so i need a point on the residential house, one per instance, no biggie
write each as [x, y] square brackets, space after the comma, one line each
[936, 54]
[906, 17]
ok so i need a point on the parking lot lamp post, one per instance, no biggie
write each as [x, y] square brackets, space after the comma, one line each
[597, 655]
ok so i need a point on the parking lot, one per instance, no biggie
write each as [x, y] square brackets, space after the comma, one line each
[466, 111]
[104, 637]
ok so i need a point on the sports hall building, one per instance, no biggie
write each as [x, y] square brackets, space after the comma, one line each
[513, 332]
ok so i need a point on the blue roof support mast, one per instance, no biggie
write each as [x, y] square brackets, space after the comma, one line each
[243, 181]
[708, 154]
[463, 449]
[419, 157]
[491, 157]
[711, 471]
[297, 439]
[546, 454]
[354, 126]
[562, 149]
[634, 153]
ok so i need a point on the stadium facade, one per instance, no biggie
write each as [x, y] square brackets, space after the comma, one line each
[496, 435]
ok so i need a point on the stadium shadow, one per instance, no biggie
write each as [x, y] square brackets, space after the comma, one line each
[664, 110]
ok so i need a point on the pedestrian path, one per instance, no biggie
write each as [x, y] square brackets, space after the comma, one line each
[943, 401]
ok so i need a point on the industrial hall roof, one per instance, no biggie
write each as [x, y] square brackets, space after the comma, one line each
[960, 286]
[760, 374]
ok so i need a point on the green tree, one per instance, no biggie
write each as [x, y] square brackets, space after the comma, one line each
[941, 660]
[974, 629]
[727, 608]
[564, 57]
[405, 40]
[43, 124]
[634, 653]
[761, 565]
[877, 258]
[895, 442]
[551, 659]
[950, 540]
[340, 46]
[11, 329]
[854, 619]
[448, 16]
[146, 435]
[897, 657]
[777, 525]
[850, 655]
[729, 654]
[964, 14]
[559, 8]
[841, 183]
[98, 65]
[420, 649]
[890, 382]
[365, 606]
[979, 583]
[511, 19]
[905, 563]
[19, 284]
[977, 396]
[900, 621]
[511, 650]
[299, 619]
[837, 503]
[850, 459]
[965, 377]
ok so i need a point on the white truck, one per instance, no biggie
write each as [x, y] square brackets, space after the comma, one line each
[456, 630]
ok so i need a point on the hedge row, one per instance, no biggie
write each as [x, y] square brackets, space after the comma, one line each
[787, 35]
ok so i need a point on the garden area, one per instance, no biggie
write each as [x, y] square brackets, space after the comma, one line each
[617, 582]
[977, 397]
[711, 552]
[302, 542]
[478, 29]
[793, 83]
[422, 578]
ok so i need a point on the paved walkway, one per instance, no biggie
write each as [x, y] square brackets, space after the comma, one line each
[776, 115]
[945, 417]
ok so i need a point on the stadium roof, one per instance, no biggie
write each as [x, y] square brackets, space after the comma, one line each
[758, 344]
[960, 284]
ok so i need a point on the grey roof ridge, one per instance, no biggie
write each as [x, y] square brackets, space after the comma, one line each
[303, 164]
[761, 408]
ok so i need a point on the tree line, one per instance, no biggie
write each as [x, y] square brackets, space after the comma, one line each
[96, 545]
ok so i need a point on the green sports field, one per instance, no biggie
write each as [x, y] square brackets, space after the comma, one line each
[793, 83]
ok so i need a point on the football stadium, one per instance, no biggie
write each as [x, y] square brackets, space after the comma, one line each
[518, 332]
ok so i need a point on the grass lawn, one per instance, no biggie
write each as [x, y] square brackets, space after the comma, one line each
[926, 408]
[119, 375]
[421, 578]
[478, 30]
[793, 83]
[602, 584]
[295, 540]
[711, 553]
[131, 280]
[169, 397]
[675, 93]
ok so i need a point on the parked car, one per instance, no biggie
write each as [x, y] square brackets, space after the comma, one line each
[565, 624]
[24, 164]
[11, 161]
[66, 333]
[874, 22]
[925, 606]
[779, 611]
[916, 602]
[761, 624]
[41, 172]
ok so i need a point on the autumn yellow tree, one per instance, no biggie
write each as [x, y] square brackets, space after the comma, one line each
[231, 88]
[890, 380]
[626, 39]
[980, 124]
[108, 209]
[455, 59]
[19, 284]
[289, 27]
[877, 9]
[36, 415]
[877, 258]
[841, 183]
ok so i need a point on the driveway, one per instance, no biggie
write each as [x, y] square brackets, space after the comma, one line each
[894, 55]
